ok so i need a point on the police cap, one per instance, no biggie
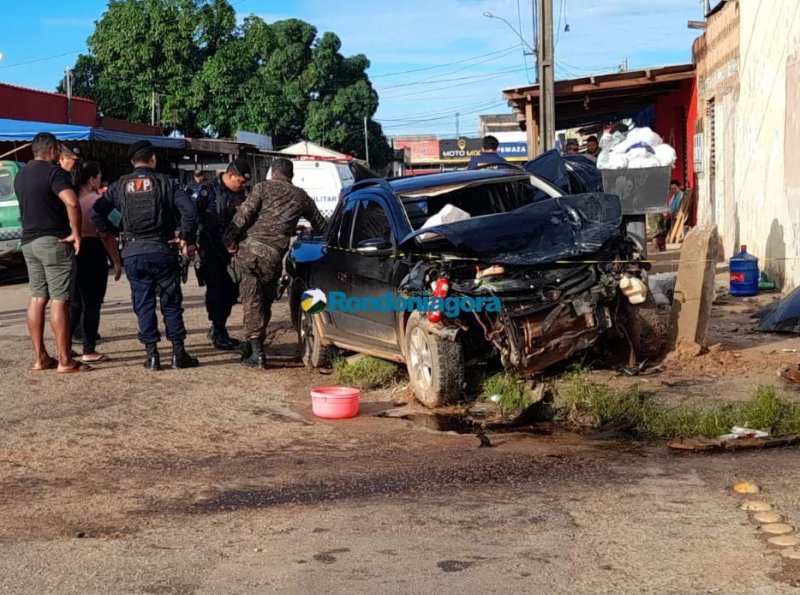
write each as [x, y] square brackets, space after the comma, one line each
[138, 147]
[71, 149]
[241, 167]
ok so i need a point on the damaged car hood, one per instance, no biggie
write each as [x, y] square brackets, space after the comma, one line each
[541, 232]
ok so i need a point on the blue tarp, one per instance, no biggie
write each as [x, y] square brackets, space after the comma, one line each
[25, 130]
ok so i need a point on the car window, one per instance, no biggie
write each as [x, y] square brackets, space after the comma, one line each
[342, 225]
[6, 185]
[371, 222]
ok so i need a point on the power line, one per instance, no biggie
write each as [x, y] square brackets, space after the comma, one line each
[37, 60]
[443, 112]
[446, 80]
[522, 44]
[444, 116]
[449, 87]
[609, 68]
[442, 65]
[560, 15]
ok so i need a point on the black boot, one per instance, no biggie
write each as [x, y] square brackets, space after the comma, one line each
[219, 337]
[254, 355]
[153, 361]
[181, 359]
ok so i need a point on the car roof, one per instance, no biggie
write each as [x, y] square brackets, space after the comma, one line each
[412, 183]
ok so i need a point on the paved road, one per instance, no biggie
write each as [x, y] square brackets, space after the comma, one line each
[219, 480]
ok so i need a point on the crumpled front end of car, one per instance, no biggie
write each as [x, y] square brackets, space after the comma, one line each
[557, 279]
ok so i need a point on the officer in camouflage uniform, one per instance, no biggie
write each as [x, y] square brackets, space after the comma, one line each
[259, 235]
[216, 202]
[152, 206]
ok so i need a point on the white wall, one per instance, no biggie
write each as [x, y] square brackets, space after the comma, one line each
[766, 191]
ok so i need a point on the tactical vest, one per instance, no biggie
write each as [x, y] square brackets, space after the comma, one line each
[142, 207]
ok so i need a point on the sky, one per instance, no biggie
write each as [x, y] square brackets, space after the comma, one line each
[430, 59]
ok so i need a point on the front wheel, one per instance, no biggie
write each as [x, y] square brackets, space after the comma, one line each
[435, 364]
[315, 354]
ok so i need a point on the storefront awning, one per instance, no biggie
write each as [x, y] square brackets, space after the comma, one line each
[25, 130]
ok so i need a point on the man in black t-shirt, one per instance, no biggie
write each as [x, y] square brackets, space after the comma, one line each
[488, 159]
[51, 237]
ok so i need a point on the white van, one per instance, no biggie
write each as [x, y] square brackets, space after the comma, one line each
[323, 180]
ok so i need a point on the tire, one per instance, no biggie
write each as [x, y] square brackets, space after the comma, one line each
[315, 354]
[435, 365]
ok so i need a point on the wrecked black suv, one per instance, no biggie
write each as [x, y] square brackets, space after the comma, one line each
[557, 265]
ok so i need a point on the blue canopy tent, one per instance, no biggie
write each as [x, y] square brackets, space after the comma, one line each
[24, 130]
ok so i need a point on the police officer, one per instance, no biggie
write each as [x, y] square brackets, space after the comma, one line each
[216, 202]
[264, 224]
[198, 179]
[152, 207]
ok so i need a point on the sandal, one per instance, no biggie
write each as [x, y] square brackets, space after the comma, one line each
[93, 358]
[75, 368]
[51, 364]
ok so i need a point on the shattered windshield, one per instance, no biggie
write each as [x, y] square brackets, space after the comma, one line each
[474, 200]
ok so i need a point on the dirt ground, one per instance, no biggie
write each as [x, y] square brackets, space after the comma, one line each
[220, 480]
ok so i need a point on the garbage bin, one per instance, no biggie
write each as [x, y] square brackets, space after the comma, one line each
[641, 192]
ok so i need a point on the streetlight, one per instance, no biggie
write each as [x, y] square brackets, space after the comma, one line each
[531, 51]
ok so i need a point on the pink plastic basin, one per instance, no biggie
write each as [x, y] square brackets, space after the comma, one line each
[335, 402]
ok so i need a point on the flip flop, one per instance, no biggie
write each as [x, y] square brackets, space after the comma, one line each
[94, 358]
[51, 364]
[76, 367]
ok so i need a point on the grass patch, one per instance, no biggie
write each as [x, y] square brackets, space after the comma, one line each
[364, 373]
[580, 402]
[514, 396]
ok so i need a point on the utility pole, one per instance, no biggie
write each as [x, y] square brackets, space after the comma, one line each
[152, 108]
[457, 127]
[366, 140]
[69, 95]
[546, 64]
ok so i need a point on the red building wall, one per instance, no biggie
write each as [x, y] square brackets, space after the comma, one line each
[20, 103]
[676, 117]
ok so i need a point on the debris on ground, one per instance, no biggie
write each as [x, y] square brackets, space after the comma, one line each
[485, 442]
[790, 373]
[782, 316]
[662, 286]
[711, 445]
[738, 432]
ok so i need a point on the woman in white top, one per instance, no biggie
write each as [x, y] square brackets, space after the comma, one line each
[92, 276]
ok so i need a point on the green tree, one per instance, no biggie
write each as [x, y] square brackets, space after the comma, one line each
[214, 77]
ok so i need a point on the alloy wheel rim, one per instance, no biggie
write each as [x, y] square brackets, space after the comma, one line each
[421, 358]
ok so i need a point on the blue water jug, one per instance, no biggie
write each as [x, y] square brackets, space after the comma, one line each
[744, 274]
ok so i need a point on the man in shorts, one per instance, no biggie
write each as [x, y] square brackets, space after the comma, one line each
[51, 237]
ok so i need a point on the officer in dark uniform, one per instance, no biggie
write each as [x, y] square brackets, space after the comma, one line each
[216, 202]
[152, 206]
[198, 179]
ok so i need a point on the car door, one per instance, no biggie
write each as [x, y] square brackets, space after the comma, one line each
[372, 272]
[328, 273]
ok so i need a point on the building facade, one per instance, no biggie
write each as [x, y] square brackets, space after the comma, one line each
[748, 61]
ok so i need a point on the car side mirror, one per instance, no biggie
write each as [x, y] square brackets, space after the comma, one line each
[375, 247]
